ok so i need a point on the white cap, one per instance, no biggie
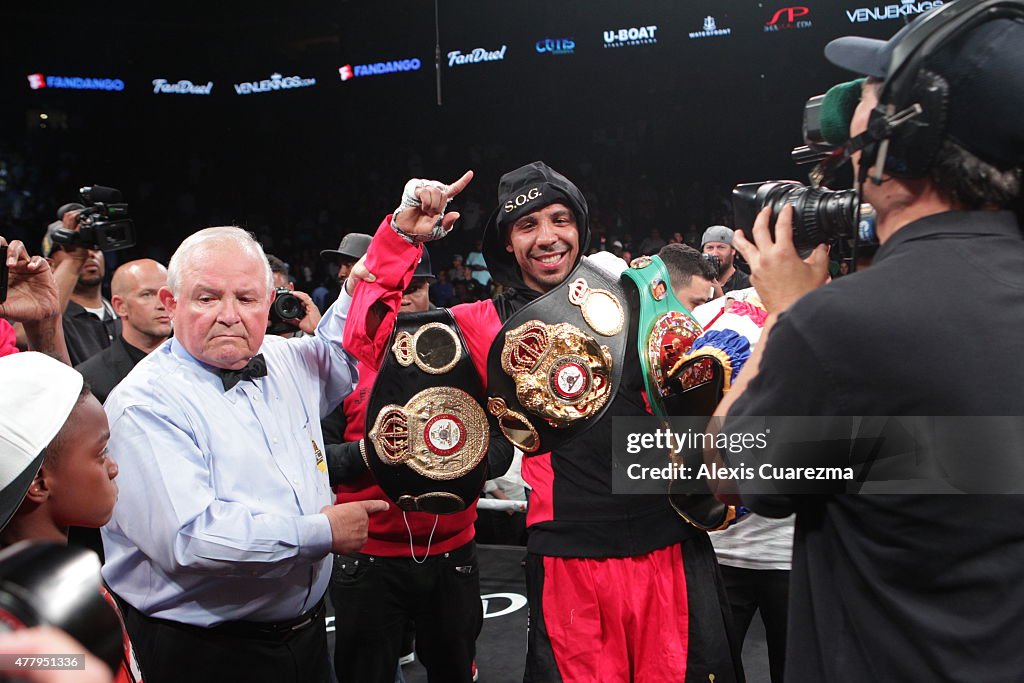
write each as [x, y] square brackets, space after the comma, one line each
[38, 395]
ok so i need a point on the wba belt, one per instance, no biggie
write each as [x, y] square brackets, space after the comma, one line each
[555, 366]
[426, 432]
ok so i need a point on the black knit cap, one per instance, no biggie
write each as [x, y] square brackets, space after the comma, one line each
[523, 191]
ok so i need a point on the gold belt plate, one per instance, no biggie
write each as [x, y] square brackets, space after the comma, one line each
[441, 433]
[561, 374]
[671, 337]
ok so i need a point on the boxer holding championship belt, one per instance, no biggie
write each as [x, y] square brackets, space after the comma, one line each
[556, 364]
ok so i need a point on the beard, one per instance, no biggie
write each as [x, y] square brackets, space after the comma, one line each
[90, 281]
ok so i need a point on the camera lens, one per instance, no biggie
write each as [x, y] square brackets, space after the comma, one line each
[819, 215]
[287, 306]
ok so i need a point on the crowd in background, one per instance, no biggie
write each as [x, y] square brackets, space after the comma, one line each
[39, 173]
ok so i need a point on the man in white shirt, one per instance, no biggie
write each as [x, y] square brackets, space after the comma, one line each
[220, 544]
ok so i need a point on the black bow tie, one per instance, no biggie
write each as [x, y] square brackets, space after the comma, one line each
[256, 367]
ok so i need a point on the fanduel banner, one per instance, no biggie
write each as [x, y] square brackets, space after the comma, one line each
[455, 57]
[184, 87]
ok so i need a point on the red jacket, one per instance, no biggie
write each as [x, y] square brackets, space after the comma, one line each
[393, 260]
[7, 338]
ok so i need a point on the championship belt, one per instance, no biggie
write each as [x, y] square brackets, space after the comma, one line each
[666, 331]
[678, 381]
[426, 434]
[556, 364]
[705, 373]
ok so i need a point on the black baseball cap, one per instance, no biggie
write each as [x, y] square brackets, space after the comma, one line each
[353, 246]
[984, 67]
[423, 267]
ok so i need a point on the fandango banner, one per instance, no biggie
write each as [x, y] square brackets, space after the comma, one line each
[360, 70]
[38, 81]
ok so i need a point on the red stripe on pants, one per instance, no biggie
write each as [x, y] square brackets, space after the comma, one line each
[618, 619]
[538, 473]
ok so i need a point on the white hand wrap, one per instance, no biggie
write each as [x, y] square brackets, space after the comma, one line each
[409, 201]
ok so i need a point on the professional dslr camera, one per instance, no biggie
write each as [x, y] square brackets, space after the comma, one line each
[47, 584]
[286, 307]
[103, 224]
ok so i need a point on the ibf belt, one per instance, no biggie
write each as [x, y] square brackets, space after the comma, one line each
[426, 433]
[556, 364]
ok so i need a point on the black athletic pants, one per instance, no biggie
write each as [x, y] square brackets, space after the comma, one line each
[767, 590]
[374, 599]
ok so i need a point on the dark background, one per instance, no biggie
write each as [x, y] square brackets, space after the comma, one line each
[655, 135]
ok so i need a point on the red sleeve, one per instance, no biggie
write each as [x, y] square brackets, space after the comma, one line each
[393, 261]
[480, 324]
[8, 338]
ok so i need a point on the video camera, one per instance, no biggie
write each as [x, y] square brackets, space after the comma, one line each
[820, 215]
[48, 584]
[286, 307]
[102, 224]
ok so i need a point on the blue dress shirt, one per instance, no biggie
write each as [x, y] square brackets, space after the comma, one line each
[218, 512]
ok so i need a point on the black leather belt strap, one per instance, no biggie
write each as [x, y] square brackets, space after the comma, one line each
[277, 630]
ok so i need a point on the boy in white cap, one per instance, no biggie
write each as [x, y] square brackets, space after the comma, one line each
[55, 471]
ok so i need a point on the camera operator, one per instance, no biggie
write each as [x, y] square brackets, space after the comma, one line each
[30, 300]
[717, 242]
[90, 324]
[911, 586]
[293, 304]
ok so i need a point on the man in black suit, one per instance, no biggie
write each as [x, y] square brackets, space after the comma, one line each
[144, 325]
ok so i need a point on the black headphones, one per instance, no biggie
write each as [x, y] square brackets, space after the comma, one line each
[907, 127]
